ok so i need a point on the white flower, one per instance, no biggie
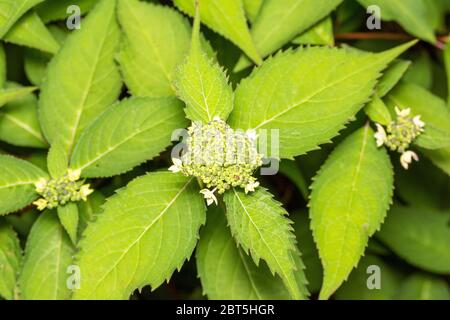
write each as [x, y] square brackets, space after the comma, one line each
[40, 185]
[251, 134]
[407, 157]
[380, 135]
[216, 118]
[251, 186]
[73, 175]
[85, 190]
[177, 165]
[419, 123]
[41, 204]
[209, 196]
[402, 112]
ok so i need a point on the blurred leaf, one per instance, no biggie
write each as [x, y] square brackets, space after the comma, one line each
[10, 260]
[422, 286]
[320, 34]
[252, 8]
[291, 170]
[11, 11]
[439, 157]
[68, 216]
[377, 111]
[53, 10]
[420, 71]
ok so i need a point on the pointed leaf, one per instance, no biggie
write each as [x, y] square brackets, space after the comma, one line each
[68, 216]
[53, 10]
[261, 227]
[8, 95]
[226, 272]
[308, 94]
[11, 11]
[145, 232]
[377, 111]
[413, 15]
[433, 110]
[226, 17]
[420, 236]
[19, 124]
[129, 133]
[349, 200]
[48, 253]
[10, 260]
[57, 160]
[252, 8]
[202, 84]
[75, 93]
[156, 39]
[17, 183]
[320, 34]
[391, 76]
[30, 31]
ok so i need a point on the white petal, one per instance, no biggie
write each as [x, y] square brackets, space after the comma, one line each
[380, 135]
[174, 169]
[209, 201]
[407, 157]
[418, 122]
[177, 162]
[402, 112]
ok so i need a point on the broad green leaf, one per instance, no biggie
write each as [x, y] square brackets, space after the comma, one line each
[412, 15]
[391, 76]
[260, 226]
[8, 95]
[68, 216]
[447, 68]
[377, 111]
[371, 268]
[440, 158]
[11, 11]
[10, 259]
[422, 286]
[156, 39]
[48, 254]
[74, 94]
[35, 61]
[2, 66]
[202, 84]
[252, 8]
[126, 135]
[421, 70]
[53, 10]
[30, 31]
[145, 232]
[308, 94]
[227, 272]
[280, 21]
[433, 110]
[320, 34]
[19, 123]
[17, 183]
[349, 200]
[291, 170]
[420, 236]
[310, 255]
[57, 160]
[226, 17]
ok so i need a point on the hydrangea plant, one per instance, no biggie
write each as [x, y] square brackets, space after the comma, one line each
[250, 143]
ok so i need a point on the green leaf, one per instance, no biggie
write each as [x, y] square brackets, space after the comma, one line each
[227, 272]
[421, 70]
[2, 66]
[8, 95]
[420, 236]
[413, 15]
[260, 226]
[447, 68]
[48, 254]
[17, 183]
[74, 94]
[349, 200]
[89, 209]
[433, 110]
[68, 216]
[57, 160]
[226, 17]
[202, 84]
[11, 11]
[19, 123]
[30, 31]
[10, 259]
[391, 76]
[279, 22]
[377, 111]
[145, 232]
[310, 255]
[252, 8]
[53, 10]
[440, 158]
[422, 286]
[356, 287]
[156, 39]
[320, 34]
[308, 94]
[126, 135]
[291, 170]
